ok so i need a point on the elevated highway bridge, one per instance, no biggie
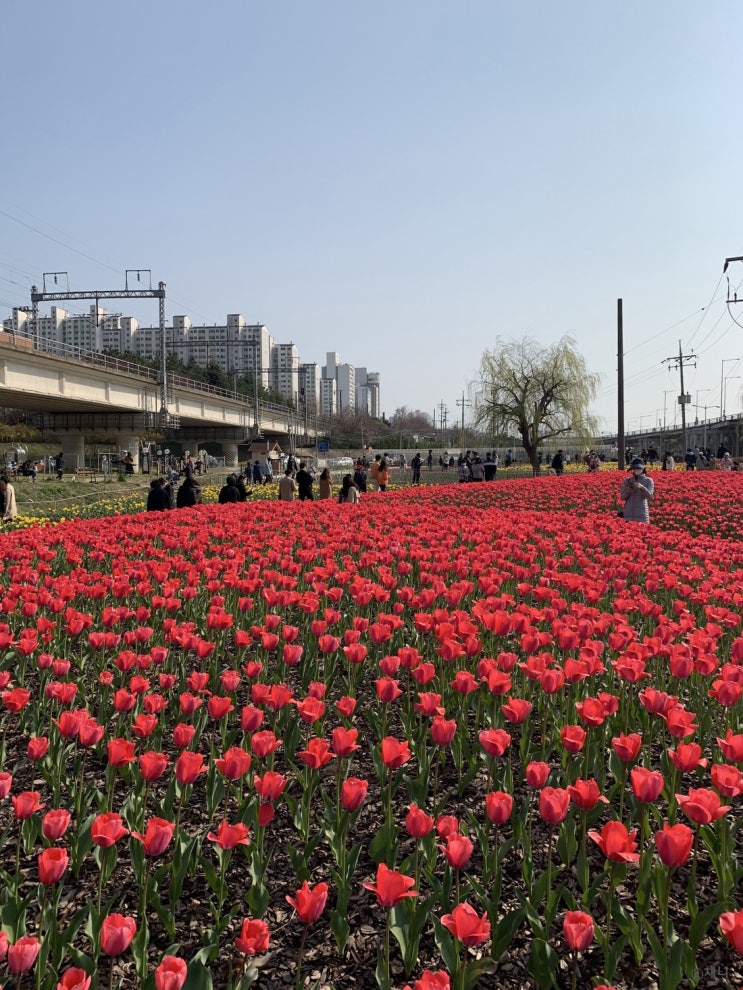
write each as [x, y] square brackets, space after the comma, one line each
[77, 394]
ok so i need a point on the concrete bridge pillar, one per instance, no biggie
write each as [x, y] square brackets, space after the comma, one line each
[72, 446]
[129, 443]
[229, 448]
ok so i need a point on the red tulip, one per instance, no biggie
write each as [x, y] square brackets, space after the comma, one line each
[728, 780]
[585, 794]
[353, 793]
[536, 774]
[731, 925]
[171, 974]
[391, 887]
[673, 844]
[317, 754]
[702, 805]
[152, 765]
[55, 823]
[572, 738]
[494, 741]
[120, 752]
[309, 902]
[157, 836]
[553, 804]
[144, 725]
[394, 753]
[516, 710]
[52, 863]
[577, 930]
[646, 784]
[74, 979]
[189, 766]
[498, 807]
[117, 933]
[417, 822]
[263, 743]
[343, 741]
[465, 925]
[16, 700]
[443, 730]
[26, 804]
[345, 706]
[6, 782]
[430, 980]
[218, 706]
[687, 757]
[458, 851]
[228, 836]
[235, 763]
[253, 938]
[616, 843]
[90, 732]
[22, 954]
[310, 709]
[627, 747]
[37, 748]
[107, 829]
[732, 746]
[183, 735]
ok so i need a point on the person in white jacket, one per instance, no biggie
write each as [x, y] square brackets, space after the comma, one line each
[7, 492]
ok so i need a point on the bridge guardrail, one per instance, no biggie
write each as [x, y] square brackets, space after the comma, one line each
[121, 365]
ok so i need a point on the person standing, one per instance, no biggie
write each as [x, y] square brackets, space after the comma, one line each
[415, 464]
[326, 484]
[189, 492]
[429, 460]
[267, 471]
[257, 473]
[359, 476]
[490, 467]
[669, 463]
[10, 510]
[690, 459]
[287, 487]
[636, 492]
[60, 465]
[374, 470]
[383, 476]
[558, 463]
[304, 483]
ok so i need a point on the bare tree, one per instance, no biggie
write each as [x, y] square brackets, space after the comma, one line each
[541, 393]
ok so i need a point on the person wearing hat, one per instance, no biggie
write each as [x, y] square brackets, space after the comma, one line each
[636, 492]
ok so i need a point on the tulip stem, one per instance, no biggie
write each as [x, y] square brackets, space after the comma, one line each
[609, 900]
[387, 948]
[575, 969]
[301, 957]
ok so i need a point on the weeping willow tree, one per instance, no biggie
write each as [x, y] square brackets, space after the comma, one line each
[541, 393]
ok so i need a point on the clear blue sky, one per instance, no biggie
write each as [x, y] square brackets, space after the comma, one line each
[400, 182]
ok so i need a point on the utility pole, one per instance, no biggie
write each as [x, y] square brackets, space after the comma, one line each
[443, 413]
[678, 362]
[463, 403]
[620, 386]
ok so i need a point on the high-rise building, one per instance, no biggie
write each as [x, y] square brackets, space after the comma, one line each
[345, 379]
[328, 397]
[367, 393]
[285, 371]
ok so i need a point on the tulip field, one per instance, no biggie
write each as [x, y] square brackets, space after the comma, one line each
[454, 736]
